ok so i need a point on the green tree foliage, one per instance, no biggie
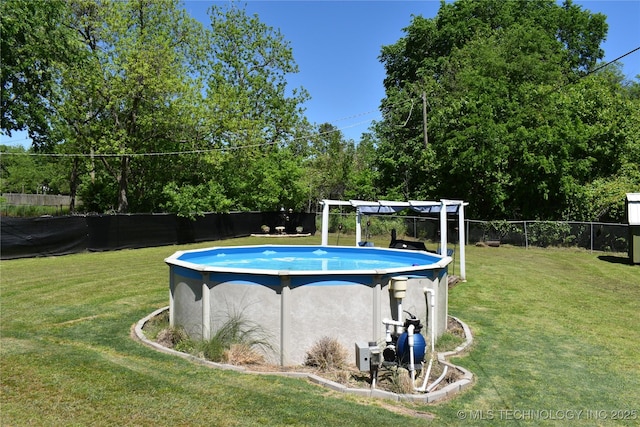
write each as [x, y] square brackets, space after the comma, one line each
[156, 111]
[497, 103]
[339, 169]
[33, 49]
[363, 173]
[336, 168]
[250, 119]
[132, 95]
[190, 201]
[247, 64]
[516, 124]
[21, 173]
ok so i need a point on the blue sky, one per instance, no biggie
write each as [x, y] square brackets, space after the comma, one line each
[336, 45]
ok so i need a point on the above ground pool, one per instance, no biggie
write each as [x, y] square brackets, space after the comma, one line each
[301, 260]
[300, 294]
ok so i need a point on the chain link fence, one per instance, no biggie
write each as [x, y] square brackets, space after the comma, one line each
[595, 236]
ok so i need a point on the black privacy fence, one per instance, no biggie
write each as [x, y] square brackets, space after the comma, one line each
[60, 235]
[46, 236]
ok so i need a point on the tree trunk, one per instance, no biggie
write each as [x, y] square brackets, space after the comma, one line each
[123, 203]
[73, 186]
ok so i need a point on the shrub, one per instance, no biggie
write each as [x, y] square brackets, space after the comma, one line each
[549, 233]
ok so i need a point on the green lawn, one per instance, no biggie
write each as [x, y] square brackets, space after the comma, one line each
[557, 331]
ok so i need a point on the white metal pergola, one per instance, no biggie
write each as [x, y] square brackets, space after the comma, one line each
[443, 207]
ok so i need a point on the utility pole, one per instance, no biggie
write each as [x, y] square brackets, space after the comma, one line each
[424, 119]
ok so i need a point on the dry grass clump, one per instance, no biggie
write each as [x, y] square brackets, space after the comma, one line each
[326, 354]
[401, 381]
[242, 354]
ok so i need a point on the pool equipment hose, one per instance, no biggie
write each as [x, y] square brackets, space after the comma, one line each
[411, 339]
[432, 311]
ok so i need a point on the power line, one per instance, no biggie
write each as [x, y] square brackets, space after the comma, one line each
[222, 149]
[21, 140]
[366, 113]
[176, 153]
[569, 83]
[613, 60]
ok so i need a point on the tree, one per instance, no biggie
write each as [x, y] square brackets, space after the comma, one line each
[363, 175]
[23, 173]
[35, 45]
[611, 116]
[133, 95]
[153, 102]
[329, 164]
[507, 128]
[250, 119]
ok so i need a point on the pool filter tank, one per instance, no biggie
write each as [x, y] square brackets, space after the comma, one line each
[419, 343]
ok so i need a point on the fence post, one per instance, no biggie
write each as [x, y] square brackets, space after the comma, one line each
[466, 236]
[526, 238]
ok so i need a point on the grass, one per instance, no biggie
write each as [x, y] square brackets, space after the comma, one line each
[28, 211]
[555, 330]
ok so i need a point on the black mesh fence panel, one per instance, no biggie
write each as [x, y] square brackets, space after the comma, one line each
[44, 236]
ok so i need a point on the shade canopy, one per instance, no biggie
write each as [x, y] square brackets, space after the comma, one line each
[443, 207]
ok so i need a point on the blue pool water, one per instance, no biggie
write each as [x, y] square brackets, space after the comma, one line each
[307, 258]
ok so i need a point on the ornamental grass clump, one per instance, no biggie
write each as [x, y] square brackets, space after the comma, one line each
[401, 381]
[326, 354]
[237, 342]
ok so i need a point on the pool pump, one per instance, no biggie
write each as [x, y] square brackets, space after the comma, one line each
[406, 349]
[411, 345]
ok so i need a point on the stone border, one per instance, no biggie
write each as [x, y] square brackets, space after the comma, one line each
[435, 396]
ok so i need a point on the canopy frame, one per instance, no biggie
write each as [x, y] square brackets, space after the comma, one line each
[443, 207]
